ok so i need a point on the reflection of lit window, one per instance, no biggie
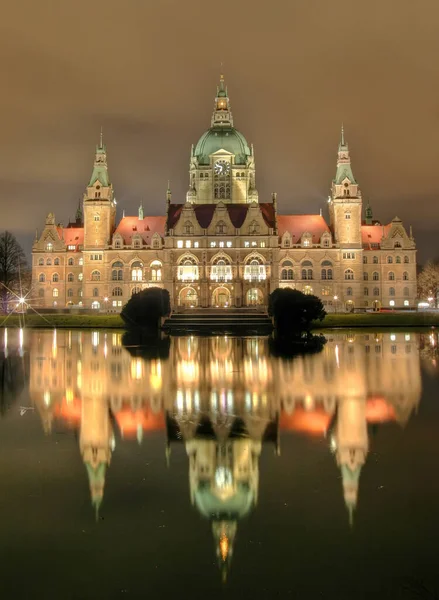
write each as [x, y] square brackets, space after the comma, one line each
[136, 369]
[46, 398]
[223, 477]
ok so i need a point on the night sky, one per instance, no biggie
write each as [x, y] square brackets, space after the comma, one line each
[147, 70]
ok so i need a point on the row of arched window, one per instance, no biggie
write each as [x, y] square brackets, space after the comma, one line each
[56, 262]
[389, 260]
[137, 242]
[390, 276]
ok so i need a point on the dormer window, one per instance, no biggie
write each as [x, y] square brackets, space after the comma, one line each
[49, 247]
[188, 228]
[97, 218]
[254, 227]
[347, 215]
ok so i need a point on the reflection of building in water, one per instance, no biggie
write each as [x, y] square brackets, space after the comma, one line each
[223, 466]
[14, 367]
[229, 386]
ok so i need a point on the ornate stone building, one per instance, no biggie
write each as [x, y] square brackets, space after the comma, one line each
[223, 247]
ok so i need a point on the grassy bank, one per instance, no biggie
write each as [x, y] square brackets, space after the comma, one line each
[421, 319]
[62, 321]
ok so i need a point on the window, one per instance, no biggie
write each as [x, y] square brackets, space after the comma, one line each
[41, 262]
[366, 291]
[95, 292]
[41, 278]
[229, 244]
[405, 276]
[325, 242]
[80, 262]
[397, 245]
[71, 247]
[117, 302]
[392, 303]
[364, 260]
[349, 274]
[70, 262]
[180, 244]
[246, 244]
[398, 260]
[117, 291]
[349, 291]
[95, 276]
[348, 255]
[96, 257]
[221, 244]
[406, 260]
[376, 291]
[307, 290]
[97, 218]
[136, 271]
[254, 244]
[391, 291]
[287, 242]
[213, 244]
[56, 262]
[326, 291]
[221, 228]
[375, 260]
[188, 269]
[156, 243]
[80, 276]
[55, 292]
[49, 262]
[70, 293]
[389, 260]
[406, 291]
[253, 227]
[365, 276]
[306, 242]
[406, 303]
[70, 277]
[55, 278]
[80, 294]
[188, 228]
[391, 276]
[375, 276]
[41, 293]
[287, 272]
[254, 270]
[347, 215]
[307, 273]
[137, 243]
[156, 271]
[262, 244]
[135, 290]
[196, 244]
[188, 244]
[49, 247]
[117, 243]
[221, 270]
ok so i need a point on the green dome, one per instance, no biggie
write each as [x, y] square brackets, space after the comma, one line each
[222, 138]
[236, 506]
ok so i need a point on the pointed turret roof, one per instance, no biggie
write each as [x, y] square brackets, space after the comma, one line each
[100, 168]
[222, 114]
[344, 169]
[96, 477]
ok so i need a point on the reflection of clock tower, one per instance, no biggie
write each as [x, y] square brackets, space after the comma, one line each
[222, 164]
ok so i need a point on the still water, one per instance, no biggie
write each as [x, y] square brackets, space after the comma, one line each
[209, 468]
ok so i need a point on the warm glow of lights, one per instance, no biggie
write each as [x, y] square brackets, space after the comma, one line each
[379, 411]
[6, 338]
[337, 357]
[224, 547]
[95, 338]
[314, 422]
[46, 398]
[69, 395]
[21, 335]
[54, 344]
[136, 368]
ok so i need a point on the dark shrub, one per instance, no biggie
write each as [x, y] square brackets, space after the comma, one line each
[294, 312]
[146, 308]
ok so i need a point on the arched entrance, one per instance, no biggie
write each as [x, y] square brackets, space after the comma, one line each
[254, 297]
[221, 297]
[376, 304]
[95, 305]
[188, 298]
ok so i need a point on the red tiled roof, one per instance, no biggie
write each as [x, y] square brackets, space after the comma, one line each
[372, 234]
[146, 227]
[73, 235]
[297, 225]
[237, 213]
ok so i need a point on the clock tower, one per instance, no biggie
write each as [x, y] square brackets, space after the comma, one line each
[222, 166]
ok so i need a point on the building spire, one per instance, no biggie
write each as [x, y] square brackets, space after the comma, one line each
[222, 114]
[78, 215]
[100, 167]
[344, 168]
[369, 214]
[141, 212]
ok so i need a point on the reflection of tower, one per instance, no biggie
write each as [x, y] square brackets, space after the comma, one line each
[352, 446]
[95, 444]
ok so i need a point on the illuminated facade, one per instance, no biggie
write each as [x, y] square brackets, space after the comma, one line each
[223, 247]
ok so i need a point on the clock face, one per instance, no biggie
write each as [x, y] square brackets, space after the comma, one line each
[221, 167]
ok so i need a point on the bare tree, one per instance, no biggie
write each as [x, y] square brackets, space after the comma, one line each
[12, 265]
[428, 282]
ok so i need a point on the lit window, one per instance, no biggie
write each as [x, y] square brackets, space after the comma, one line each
[180, 244]
[254, 244]
[213, 244]
[80, 276]
[392, 302]
[306, 243]
[55, 293]
[117, 302]
[246, 244]
[80, 262]
[262, 244]
[71, 247]
[221, 244]
[188, 244]
[229, 244]
[49, 247]
[406, 303]
[95, 276]
[196, 244]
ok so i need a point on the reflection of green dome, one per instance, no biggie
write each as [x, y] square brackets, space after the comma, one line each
[222, 138]
[236, 506]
